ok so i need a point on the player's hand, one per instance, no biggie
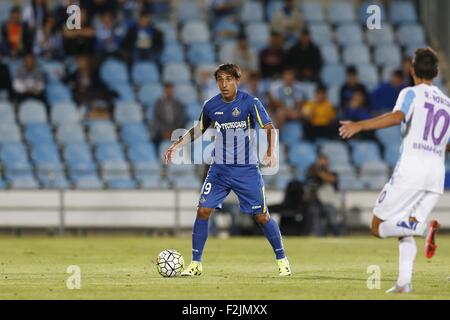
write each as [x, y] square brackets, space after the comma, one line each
[169, 153]
[348, 129]
[269, 160]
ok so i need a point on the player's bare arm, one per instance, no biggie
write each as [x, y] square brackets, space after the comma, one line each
[188, 137]
[269, 158]
[349, 128]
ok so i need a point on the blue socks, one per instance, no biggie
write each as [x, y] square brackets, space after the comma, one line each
[273, 234]
[199, 236]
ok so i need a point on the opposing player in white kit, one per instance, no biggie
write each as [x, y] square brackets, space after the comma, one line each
[417, 182]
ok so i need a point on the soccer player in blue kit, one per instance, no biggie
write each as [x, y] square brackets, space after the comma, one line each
[235, 115]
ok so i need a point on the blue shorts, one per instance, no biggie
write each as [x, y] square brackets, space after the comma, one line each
[245, 181]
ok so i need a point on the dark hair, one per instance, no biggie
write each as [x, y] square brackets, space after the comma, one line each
[15, 9]
[168, 85]
[425, 63]
[351, 70]
[229, 68]
[321, 88]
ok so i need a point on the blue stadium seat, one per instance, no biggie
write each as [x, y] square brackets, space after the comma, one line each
[329, 53]
[390, 135]
[32, 111]
[349, 34]
[363, 152]
[195, 32]
[14, 157]
[225, 30]
[186, 93]
[312, 11]
[102, 131]
[64, 113]
[385, 35]
[172, 53]
[333, 95]
[116, 175]
[333, 75]
[3, 184]
[392, 153]
[368, 75]
[129, 112]
[411, 35]
[187, 11]
[9, 132]
[23, 181]
[302, 155]
[176, 73]
[78, 157]
[336, 152]
[387, 55]
[151, 181]
[70, 133]
[341, 12]
[88, 182]
[347, 183]
[321, 33]
[225, 51]
[56, 93]
[6, 112]
[169, 31]
[272, 7]
[133, 133]
[149, 93]
[186, 182]
[109, 151]
[124, 91]
[37, 133]
[251, 11]
[356, 54]
[363, 15]
[193, 110]
[257, 34]
[53, 181]
[113, 72]
[374, 168]
[401, 12]
[144, 72]
[54, 71]
[201, 53]
[143, 156]
[46, 157]
[291, 133]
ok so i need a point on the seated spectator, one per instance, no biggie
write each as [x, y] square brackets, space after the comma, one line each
[79, 41]
[109, 35]
[5, 82]
[169, 115]
[323, 199]
[305, 58]
[384, 96]
[287, 98]
[351, 85]
[48, 41]
[287, 20]
[29, 81]
[256, 87]
[406, 69]
[357, 108]
[89, 91]
[243, 55]
[16, 36]
[143, 40]
[319, 116]
[271, 58]
[35, 13]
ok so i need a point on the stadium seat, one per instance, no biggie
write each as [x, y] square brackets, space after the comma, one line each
[336, 152]
[186, 93]
[114, 72]
[116, 175]
[76, 153]
[333, 95]
[349, 34]
[46, 157]
[389, 135]
[70, 133]
[64, 113]
[14, 157]
[124, 92]
[193, 110]
[128, 112]
[176, 73]
[187, 11]
[38, 133]
[172, 53]
[53, 70]
[187, 182]
[132, 133]
[6, 113]
[321, 33]
[143, 157]
[333, 75]
[169, 31]
[381, 36]
[257, 34]
[53, 181]
[374, 168]
[23, 181]
[109, 151]
[88, 182]
[392, 153]
[195, 32]
[225, 30]
[302, 155]
[9, 132]
[411, 35]
[329, 53]
[365, 152]
[368, 75]
[272, 7]
[341, 12]
[3, 184]
[347, 183]
[251, 11]
[312, 12]
[356, 54]
[201, 53]
[144, 72]
[32, 111]
[402, 12]
[292, 133]
[102, 131]
[387, 55]
[56, 93]
[149, 93]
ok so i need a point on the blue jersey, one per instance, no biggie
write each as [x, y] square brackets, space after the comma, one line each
[235, 141]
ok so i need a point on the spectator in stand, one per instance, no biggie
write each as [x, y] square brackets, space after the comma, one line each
[271, 59]
[257, 88]
[29, 81]
[79, 41]
[357, 108]
[223, 9]
[48, 42]
[351, 85]
[305, 57]
[5, 81]
[169, 115]
[287, 98]
[89, 91]
[16, 36]
[35, 14]
[319, 116]
[287, 20]
[383, 98]
[143, 40]
[96, 8]
[406, 69]
[109, 35]
[243, 55]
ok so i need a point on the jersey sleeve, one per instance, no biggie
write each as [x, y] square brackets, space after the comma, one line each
[259, 113]
[204, 119]
[405, 102]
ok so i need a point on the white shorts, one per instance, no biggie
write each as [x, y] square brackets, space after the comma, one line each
[396, 203]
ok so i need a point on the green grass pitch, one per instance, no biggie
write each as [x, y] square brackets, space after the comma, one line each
[122, 267]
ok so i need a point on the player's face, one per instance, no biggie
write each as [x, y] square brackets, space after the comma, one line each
[227, 85]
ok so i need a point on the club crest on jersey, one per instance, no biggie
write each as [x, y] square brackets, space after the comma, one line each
[235, 112]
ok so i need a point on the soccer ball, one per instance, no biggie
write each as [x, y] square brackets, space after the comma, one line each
[169, 263]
